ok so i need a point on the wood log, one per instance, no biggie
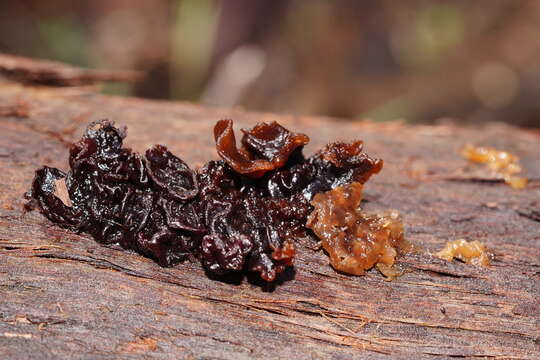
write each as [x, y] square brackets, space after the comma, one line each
[52, 73]
[65, 296]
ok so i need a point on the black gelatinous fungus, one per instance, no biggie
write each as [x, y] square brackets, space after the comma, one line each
[242, 213]
[171, 174]
[335, 165]
[243, 225]
[51, 205]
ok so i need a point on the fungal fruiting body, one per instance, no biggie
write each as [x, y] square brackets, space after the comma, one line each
[471, 252]
[355, 240]
[502, 163]
[242, 213]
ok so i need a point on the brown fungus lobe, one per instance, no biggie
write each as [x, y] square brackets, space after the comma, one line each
[354, 240]
[273, 142]
[240, 160]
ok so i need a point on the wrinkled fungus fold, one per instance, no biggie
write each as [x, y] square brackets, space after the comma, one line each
[239, 159]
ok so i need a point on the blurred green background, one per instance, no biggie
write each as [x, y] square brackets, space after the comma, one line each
[421, 61]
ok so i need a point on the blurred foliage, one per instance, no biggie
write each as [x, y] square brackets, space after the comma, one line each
[65, 40]
[193, 31]
[437, 28]
[398, 108]
[420, 60]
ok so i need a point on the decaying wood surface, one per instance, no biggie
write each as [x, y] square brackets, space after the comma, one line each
[65, 296]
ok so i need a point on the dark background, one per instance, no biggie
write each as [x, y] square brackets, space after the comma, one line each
[421, 61]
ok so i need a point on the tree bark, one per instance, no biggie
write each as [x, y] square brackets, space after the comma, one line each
[62, 295]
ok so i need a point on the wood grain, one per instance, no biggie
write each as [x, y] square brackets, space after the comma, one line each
[65, 296]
